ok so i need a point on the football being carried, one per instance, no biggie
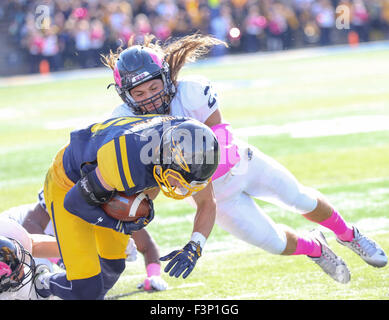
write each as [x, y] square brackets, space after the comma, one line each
[128, 208]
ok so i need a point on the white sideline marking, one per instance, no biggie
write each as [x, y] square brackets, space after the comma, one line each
[247, 295]
[190, 285]
[74, 123]
[320, 128]
[373, 225]
[292, 54]
[302, 129]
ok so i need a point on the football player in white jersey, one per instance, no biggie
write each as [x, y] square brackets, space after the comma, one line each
[36, 220]
[17, 267]
[146, 79]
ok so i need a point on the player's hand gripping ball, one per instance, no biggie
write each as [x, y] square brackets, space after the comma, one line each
[128, 208]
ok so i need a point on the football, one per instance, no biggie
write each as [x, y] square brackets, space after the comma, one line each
[127, 208]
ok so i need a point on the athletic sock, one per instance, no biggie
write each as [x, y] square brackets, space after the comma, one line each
[308, 246]
[337, 224]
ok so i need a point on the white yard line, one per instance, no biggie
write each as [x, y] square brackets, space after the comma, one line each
[320, 128]
[292, 54]
[302, 129]
[32, 79]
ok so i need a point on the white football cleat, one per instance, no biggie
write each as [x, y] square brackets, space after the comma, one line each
[367, 249]
[331, 264]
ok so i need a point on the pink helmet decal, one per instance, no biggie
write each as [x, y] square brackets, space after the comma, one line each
[117, 77]
[157, 60]
[5, 269]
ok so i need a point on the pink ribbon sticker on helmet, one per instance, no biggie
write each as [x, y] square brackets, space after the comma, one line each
[229, 155]
[157, 60]
[5, 269]
[117, 77]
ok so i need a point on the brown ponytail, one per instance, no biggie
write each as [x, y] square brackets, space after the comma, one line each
[176, 53]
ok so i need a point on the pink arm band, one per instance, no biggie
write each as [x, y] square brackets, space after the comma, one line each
[153, 269]
[229, 155]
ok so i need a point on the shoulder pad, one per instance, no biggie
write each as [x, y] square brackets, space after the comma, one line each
[197, 93]
[122, 111]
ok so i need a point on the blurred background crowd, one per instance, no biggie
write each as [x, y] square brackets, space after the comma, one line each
[73, 33]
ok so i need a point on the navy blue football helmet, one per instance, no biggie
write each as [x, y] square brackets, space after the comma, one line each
[17, 266]
[137, 65]
[189, 156]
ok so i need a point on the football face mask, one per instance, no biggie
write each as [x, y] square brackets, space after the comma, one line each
[157, 104]
[173, 185]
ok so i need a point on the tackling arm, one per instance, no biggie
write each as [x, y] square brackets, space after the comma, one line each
[214, 119]
[206, 211]
[183, 261]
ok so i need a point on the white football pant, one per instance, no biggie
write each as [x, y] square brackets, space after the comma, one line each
[263, 178]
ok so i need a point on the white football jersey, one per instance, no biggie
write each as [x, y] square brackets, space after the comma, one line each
[195, 98]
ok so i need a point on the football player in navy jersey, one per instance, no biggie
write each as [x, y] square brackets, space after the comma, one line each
[131, 155]
[146, 79]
